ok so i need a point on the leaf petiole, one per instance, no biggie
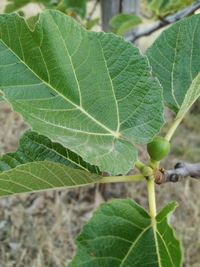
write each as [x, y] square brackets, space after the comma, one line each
[122, 179]
[173, 128]
[151, 197]
[139, 165]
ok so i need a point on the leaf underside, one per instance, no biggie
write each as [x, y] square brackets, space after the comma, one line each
[91, 92]
[175, 61]
[39, 164]
[122, 234]
[191, 96]
[43, 175]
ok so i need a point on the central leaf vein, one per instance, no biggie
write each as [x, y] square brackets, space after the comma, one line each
[113, 133]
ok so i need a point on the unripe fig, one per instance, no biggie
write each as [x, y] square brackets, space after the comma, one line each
[159, 148]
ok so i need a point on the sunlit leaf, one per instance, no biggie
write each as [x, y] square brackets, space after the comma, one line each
[175, 61]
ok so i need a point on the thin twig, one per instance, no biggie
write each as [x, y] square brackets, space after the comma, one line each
[181, 170]
[91, 13]
[147, 30]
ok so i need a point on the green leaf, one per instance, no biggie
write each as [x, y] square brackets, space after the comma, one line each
[35, 147]
[191, 96]
[91, 92]
[122, 234]
[38, 176]
[122, 23]
[39, 164]
[91, 23]
[78, 7]
[31, 21]
[165, 7]
[174, 58]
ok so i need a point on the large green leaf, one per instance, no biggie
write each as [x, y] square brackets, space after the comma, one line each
[35, 147]
[175, 59]
[91, 92]
[122, 234]
[165, 7]
[121, 23]
[43, 175]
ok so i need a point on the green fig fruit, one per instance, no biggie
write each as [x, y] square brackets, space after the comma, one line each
[159, 148]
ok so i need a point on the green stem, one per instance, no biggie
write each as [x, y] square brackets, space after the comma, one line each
[145, 170]
[139, 165]
[173, 128]
[122, 179]
[151, 197]
[154, 164]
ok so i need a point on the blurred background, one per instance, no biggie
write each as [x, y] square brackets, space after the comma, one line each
[38, 230]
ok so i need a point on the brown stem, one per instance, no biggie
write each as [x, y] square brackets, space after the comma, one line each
[181, 170]
[147, 30]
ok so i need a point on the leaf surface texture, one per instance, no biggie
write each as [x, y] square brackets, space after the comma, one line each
[122, 234]
[175, 61]
[91, 92]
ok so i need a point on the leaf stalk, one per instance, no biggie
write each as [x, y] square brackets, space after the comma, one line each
[173, 128]
[122, 179]
[151, 197]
